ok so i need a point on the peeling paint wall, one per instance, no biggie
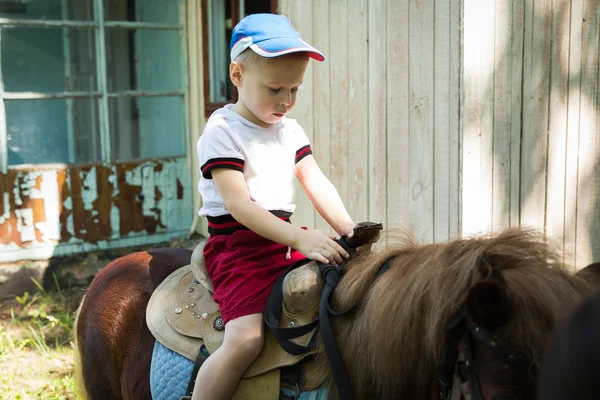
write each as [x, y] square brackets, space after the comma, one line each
[59, 210]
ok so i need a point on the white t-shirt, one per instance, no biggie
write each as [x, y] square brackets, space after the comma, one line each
[266, 156]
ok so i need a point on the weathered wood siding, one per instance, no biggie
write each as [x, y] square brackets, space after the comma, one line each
[531, 120]
[452, 118]
[382, 111]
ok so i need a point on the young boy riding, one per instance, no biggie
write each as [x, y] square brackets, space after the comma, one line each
[249, 153]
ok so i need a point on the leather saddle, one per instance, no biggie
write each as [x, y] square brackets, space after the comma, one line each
[183, 317]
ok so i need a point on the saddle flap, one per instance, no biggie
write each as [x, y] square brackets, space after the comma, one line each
[188, 306]
[159, 326]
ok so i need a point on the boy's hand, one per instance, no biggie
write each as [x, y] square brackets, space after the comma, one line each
[316, 245]
[347, 229]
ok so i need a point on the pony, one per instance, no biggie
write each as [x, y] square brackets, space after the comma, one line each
[572, 364]
[394, 339]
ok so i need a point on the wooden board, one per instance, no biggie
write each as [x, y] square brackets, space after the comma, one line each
[358, 102]
[471, 122]
[377, 111]
[572, 143]
[398, 148]
[442, 147]
[557, 122]
[536, 91]
[300, 13]
[503, 54]
[421, 81]
[588, 215]
[321, 111]
[338, 104]
[517, 42]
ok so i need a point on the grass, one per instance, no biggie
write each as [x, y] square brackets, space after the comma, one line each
[36, 352]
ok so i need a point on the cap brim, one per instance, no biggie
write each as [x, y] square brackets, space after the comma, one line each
[282, 46]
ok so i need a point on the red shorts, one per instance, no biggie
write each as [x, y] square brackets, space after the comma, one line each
[243, 267]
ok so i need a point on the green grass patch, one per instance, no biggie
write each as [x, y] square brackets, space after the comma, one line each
[36, 353]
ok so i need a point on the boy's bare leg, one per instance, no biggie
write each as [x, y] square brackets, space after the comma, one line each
[221, 372]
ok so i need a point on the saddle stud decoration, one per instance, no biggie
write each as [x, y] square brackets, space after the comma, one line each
[218, 324]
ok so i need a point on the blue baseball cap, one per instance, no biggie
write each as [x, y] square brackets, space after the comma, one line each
[269, 35]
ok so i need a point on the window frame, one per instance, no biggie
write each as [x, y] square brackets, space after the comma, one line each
[99, 25]
[210, 107]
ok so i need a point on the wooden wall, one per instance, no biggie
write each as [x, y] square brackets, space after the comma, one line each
[531, 120]
[382, 111]
[451, 118]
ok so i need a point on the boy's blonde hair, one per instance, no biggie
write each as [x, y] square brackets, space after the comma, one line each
[248, 57]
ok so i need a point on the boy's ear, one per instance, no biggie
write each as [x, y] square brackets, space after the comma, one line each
[235, 73]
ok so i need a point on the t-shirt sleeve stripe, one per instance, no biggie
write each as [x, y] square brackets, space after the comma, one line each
[229, 163]
[303, 152]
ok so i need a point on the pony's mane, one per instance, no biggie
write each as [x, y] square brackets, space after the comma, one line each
[392, 342]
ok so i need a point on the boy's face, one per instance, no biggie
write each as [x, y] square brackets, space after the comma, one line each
[268, 88]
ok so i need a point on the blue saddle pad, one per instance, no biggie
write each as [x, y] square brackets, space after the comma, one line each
[170, 373]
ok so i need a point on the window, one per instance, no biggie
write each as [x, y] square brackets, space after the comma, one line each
[91, 80]
[219, 19]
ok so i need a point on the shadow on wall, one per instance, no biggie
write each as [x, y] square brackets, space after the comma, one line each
[543, 105]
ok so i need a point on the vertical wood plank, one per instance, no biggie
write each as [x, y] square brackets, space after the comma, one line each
[503, 109]
[518, 24]
[587, 246]
[398, 152]
[421, 118]
[300, 13]
[338, 84]
[456, 98]
[487, 156]
[574, 91]
[557, 121]
[475, 34]
[377, 111]
[536, 76]
[358, 141]
[441, 125]
[283, 7]
[322, 114]
[595, 228]
[595, 223]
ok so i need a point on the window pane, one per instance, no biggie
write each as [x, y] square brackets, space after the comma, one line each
[143, 59]
[47, 9]
[146, 127]
[157, 11]
[48, 59]
[219, 32]
[47, 131]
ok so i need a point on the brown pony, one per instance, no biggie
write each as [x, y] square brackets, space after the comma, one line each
[513, 284]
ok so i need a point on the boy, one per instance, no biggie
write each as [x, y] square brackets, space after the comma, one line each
[249, 153]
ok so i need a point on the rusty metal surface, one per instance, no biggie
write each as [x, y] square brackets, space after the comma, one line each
[45, 207]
